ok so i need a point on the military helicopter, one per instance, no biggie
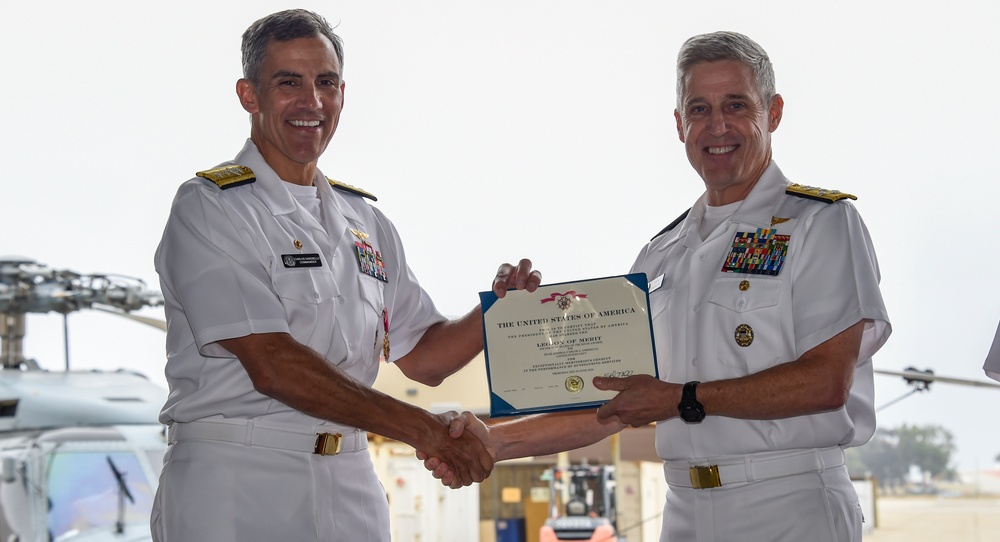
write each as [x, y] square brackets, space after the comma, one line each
[921, 380]
[80, 451]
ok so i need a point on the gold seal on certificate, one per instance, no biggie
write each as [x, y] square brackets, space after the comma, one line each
[544, 348]
[574, 384]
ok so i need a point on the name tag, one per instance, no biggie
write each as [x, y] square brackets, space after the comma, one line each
[655, 284]
[301, 260]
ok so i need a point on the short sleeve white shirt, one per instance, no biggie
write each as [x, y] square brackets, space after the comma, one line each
[703, 314]
[250, 259]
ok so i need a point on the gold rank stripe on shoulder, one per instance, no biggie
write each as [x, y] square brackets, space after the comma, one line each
[818, 194]
[352, 189]
[229, 176]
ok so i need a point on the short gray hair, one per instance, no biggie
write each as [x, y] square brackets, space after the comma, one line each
[726, 46]
[283, 26]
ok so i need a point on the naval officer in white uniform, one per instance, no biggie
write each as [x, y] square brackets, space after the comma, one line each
[283, 289]
[766, 312]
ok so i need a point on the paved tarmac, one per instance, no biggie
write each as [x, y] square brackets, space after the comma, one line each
[936, 519]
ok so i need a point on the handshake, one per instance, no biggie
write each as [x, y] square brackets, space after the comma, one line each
[467, 456]
[465, 448]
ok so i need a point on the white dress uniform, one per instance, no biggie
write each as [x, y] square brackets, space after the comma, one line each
[252, 259]
[782, 275]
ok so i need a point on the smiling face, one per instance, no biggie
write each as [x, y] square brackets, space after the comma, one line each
[726, 127]
[297, 107]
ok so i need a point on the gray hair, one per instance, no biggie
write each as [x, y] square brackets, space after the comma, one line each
[726, 46]
[283, 26]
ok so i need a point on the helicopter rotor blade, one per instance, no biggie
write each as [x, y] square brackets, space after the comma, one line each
[154, 322]
[912, 375]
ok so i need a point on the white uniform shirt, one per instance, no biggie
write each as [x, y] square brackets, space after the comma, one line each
[224, 274]
[827, 282]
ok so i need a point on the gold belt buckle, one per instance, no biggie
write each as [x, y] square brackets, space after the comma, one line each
[705, 477]
[327, 443]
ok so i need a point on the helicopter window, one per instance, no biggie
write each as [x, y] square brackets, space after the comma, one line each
[84, 493]
[8, 409]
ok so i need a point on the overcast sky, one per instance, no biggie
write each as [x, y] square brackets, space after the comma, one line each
[492, 131]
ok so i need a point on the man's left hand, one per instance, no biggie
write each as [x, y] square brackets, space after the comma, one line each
[520, 277]
[642, 400]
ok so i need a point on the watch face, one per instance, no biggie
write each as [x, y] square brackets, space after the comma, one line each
[690, 409]
[692, 414]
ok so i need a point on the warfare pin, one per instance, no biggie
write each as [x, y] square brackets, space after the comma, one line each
[744, 335]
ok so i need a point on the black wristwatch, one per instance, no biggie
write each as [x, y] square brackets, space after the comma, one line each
[690, 409]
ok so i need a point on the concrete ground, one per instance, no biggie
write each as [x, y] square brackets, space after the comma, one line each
[937, 519]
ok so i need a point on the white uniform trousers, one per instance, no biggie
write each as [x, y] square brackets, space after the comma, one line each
[225, 492]
[811, 507]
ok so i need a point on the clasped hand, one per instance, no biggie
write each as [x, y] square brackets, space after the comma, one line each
[466, 427]
[641, 400]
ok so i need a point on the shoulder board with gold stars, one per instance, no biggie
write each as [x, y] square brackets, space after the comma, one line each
[229, 176]
[818, 194]
[352, 189]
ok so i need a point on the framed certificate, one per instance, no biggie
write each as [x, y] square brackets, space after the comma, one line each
[544, 348]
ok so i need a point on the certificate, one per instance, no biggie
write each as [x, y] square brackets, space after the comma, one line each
[544, 348]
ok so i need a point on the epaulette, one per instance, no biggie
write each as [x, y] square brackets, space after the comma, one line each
[229, 176]
[818, 194]
[673, 224]
[352, 189]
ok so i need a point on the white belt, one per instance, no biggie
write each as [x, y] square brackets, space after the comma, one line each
[751, 468]
[290, 438]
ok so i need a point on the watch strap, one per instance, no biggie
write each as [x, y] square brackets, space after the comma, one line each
[688, 393]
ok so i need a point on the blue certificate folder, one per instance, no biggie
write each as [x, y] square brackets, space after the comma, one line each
[544, 348]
